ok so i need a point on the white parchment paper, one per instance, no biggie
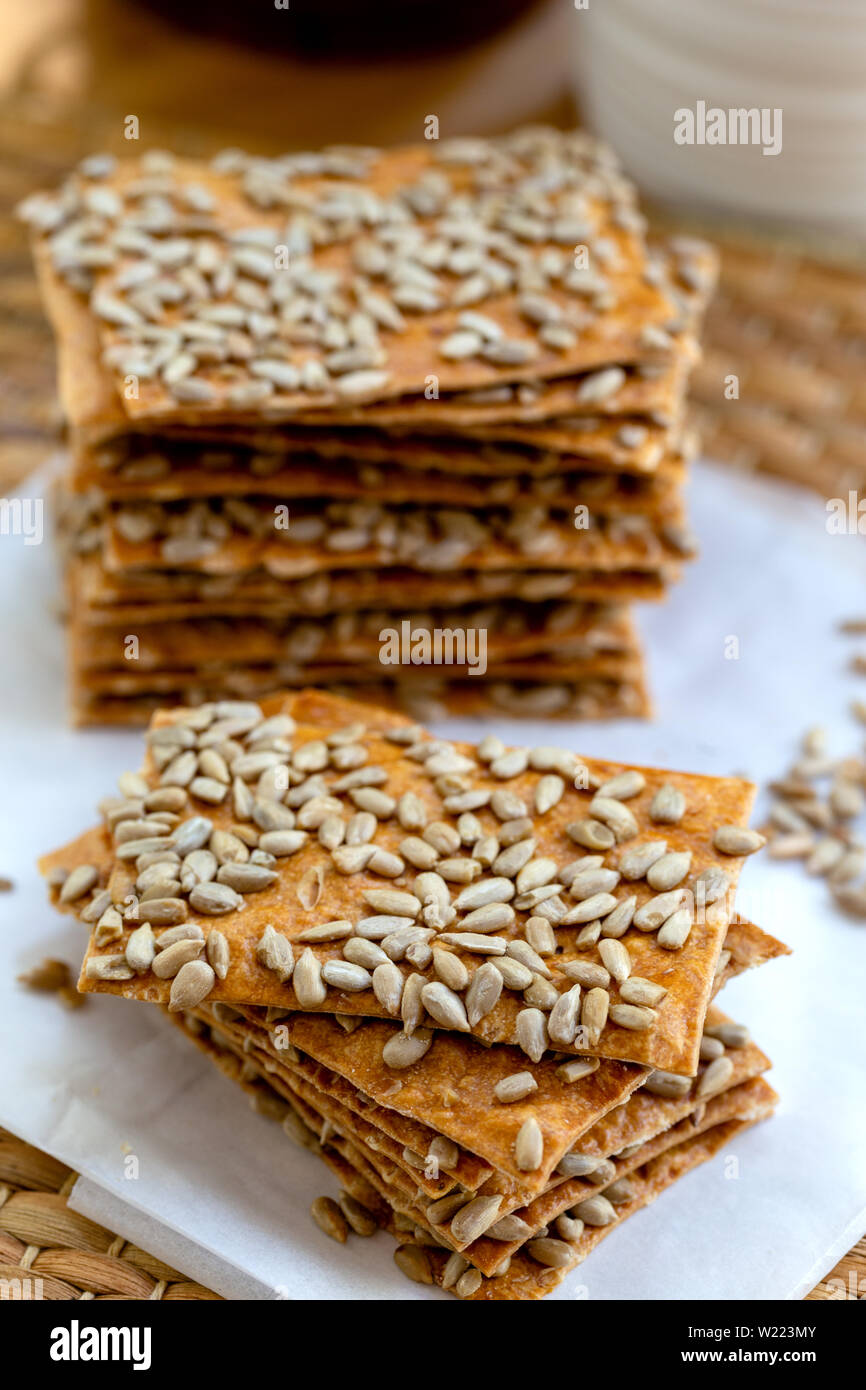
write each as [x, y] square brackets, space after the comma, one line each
[173, 1157]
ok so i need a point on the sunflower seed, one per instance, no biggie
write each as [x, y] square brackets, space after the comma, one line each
[710, 1049]
[529, 1146]
[487, 919]
[188, 931]
[245, 878]
[592, 881]
[330, 1219]
[342, 974]
[191, 835]
[169, 961]
[80, 881]
[509, 1228]
[515, 1087]
[455, 1266]
[310, 990]
[632, 1016]
[358, 1217]
[515, 975]
[218, 954]
[568, 1228]
[593, 834]
[619, 1192]
[637, 990]
[548, 792]
[444, 1151]
[510, 764]
[675, 931]
[282, 842]
[599, 905]
[730, 1034]
[795, 845]
[481, 894]
[404, 1051]
[352, 859]
[826, 855]
[614, 815]
[445, 1006]
[440, 1213]
[577, 1068]
[522, 951]
[387, 981]
[511, 860]
[472, 1220]
[371, 799]
[668, 806]
[715, 1078]
[540, 936]
[737, 839]
[94, 909]
[483, 993]
[577, 1165]
[593, 1014]
[563, 1020]
[669, 870]
[596, 1211]
[554, 1254]
[616, 958]
[140, 949]
[587, 973]
[851, 899]
[450, 970]
[635, 863]
[617, 923]
[163, 912]
[383, 862]
[458, 870]
[623, 786]
[379, 927]
[531, 1033]
[667, 1084]
[190, 985]
[711, 885]
[541, 994]
[846, 800]
[392, 903]
[362, 952]
[658, 909]
[337, 930]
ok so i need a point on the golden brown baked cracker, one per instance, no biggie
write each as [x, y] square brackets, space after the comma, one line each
[671, 1037]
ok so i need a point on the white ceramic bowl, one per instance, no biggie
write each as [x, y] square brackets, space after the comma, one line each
[637, 64]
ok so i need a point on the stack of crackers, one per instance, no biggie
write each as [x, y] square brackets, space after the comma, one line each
[320, 400]
[478, 982]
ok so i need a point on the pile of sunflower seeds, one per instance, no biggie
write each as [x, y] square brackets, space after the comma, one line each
[817, 803]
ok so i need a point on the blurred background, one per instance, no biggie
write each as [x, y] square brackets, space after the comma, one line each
[273, 75]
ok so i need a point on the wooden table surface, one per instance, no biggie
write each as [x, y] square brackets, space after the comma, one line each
[71, 70]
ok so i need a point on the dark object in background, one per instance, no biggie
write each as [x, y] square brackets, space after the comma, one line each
[345, 28]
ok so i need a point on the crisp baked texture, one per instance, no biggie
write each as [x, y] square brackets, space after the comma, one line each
[665, 1154]
[686, 973]
[451, 1091]
[419, 185]
[570, 630]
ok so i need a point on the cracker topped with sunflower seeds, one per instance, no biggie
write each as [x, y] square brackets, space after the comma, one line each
[321, 855]
[262, 288]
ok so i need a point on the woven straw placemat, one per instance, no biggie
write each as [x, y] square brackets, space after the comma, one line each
[41, 1238]
[780, 387]
[52, 1252]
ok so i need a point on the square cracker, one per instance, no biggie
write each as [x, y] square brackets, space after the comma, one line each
[430, 190]
[686, 973]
